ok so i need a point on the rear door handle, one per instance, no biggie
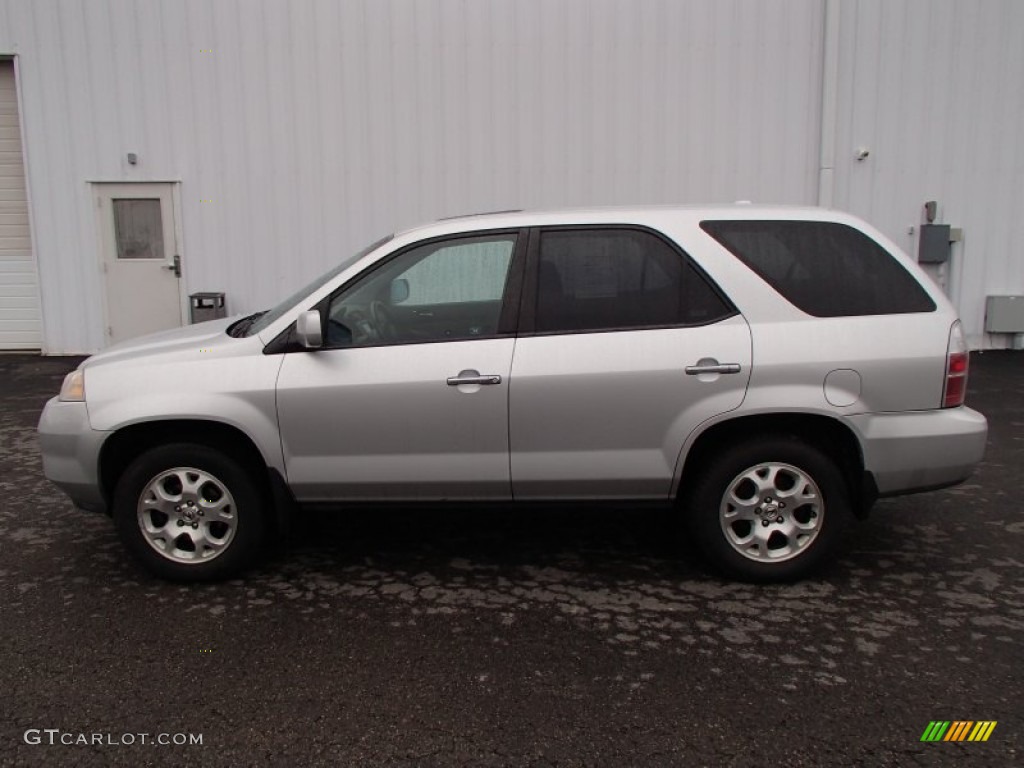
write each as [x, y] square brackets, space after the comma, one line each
[702, 367]
[473, 377]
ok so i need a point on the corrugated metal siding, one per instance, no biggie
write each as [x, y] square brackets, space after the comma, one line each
[935, 89]
[20, 326]
[315, 127]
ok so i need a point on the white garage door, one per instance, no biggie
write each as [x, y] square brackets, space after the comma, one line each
[20, 327]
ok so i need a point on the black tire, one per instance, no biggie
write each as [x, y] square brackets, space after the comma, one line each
[245, 502]
[770, 455]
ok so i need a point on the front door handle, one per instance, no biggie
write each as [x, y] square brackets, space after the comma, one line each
[715, 367]
[473, 377]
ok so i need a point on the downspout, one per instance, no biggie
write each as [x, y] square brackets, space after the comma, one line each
[829, 103]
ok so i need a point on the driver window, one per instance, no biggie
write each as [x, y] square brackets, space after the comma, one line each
[443, 291]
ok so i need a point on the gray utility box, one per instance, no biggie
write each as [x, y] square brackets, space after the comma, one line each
[206, 306]
[1004, 314]
[933, 245]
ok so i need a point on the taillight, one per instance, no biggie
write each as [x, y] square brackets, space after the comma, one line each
[957, 361]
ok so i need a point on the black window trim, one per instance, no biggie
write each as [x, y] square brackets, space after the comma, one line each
[528, 311]
[285, 342]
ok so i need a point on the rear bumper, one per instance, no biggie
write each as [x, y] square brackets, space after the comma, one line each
[920, 450]
[71, 451]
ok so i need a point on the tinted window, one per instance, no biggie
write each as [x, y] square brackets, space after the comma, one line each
[441, 291]
[823, 268]
[604, 279]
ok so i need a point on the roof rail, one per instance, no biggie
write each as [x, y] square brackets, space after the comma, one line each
[480, 213]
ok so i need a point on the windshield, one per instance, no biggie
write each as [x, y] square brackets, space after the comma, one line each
[264, 319]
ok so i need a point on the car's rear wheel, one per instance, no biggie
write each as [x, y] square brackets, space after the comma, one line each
[189, 512]
[769, 509]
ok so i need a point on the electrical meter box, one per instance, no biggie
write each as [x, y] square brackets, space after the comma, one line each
[933, 245]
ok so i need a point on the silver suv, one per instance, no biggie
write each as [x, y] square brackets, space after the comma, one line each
[768, 371]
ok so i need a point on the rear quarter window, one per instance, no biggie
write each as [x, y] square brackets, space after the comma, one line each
[823, 268]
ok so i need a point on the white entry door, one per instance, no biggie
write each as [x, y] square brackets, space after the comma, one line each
[141, 265]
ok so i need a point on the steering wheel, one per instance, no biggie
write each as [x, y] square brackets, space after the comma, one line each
[383, 321]
[350, 327]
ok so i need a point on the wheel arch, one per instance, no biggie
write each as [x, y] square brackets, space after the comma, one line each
[826, 433]
[121, 447]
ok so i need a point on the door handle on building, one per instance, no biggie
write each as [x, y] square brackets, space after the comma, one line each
[175, 266]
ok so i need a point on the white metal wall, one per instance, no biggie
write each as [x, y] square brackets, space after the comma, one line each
[313, 127]
[935, 90]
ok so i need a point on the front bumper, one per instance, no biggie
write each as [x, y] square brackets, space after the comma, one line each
[920, 450]
[71, 451]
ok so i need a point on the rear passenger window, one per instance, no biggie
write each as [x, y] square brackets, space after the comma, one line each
[616, 279]
[823, 268]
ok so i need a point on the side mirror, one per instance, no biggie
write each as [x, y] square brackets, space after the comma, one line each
[309, 330]
[399, 290]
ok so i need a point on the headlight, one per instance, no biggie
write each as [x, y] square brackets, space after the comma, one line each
[73, 389]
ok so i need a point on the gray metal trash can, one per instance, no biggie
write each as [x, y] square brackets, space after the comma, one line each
[207, 306]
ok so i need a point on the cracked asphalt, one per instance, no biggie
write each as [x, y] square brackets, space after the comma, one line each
[555, 637]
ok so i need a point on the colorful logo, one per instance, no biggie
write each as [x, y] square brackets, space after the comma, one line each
[958, 730]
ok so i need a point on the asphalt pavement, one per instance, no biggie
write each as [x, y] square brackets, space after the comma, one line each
[556, 637]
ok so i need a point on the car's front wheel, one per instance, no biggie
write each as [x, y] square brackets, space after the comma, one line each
[769, 509]
[189, 512]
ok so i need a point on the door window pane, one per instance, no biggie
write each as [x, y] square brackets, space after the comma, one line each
[438, 292]
[461, 272]
[138, 229]
[608, 279]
